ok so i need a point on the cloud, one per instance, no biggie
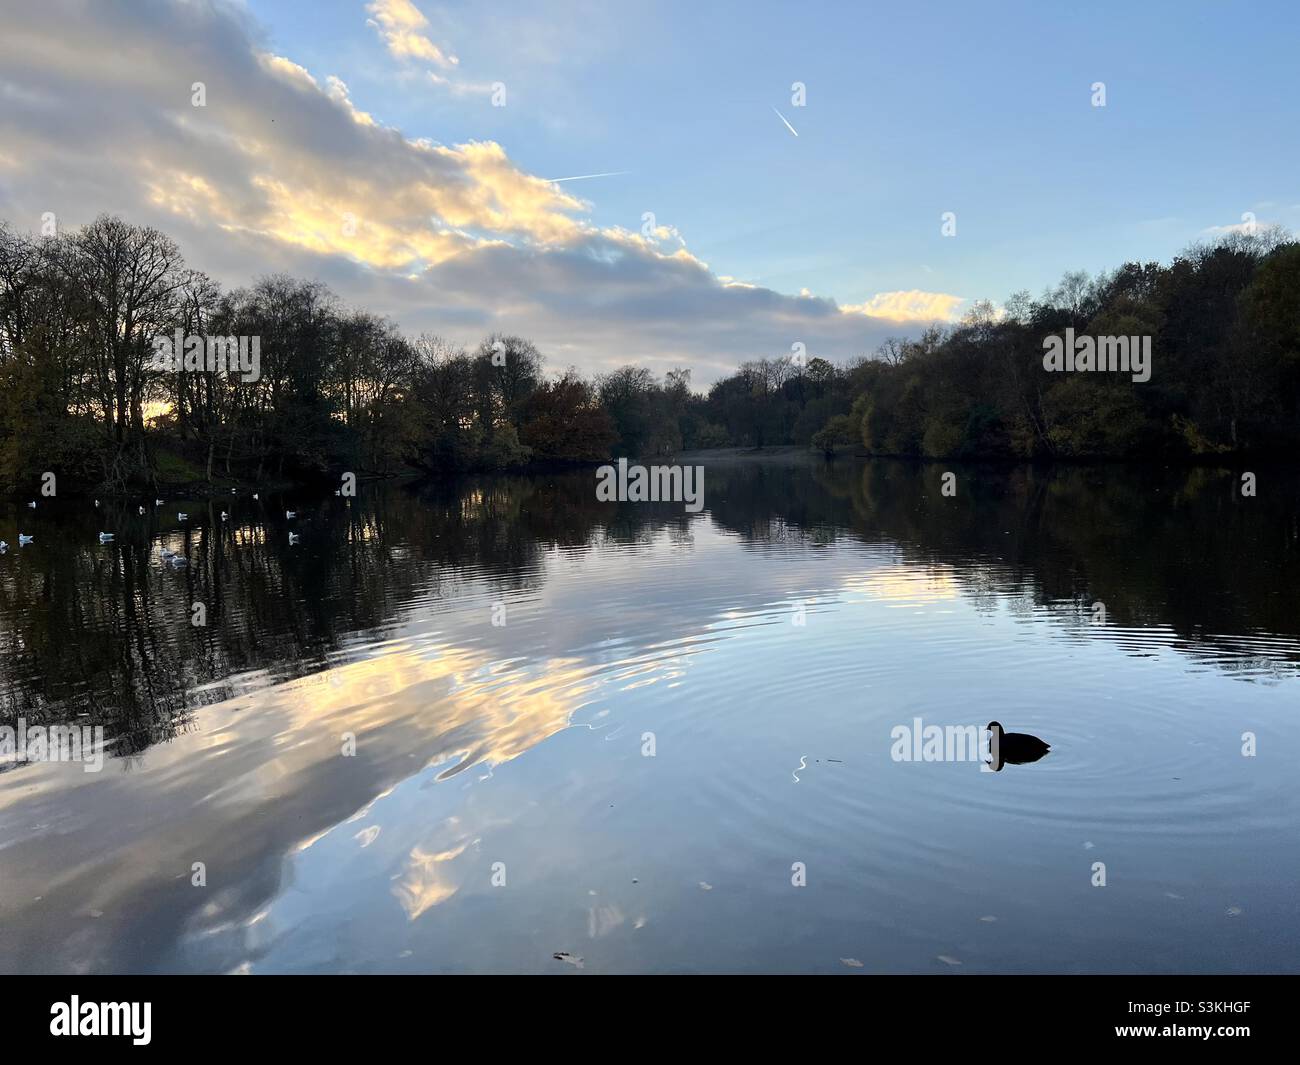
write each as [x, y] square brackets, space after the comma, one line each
[281, 171]
[1247, 226]
[910, 306]
[400, 23]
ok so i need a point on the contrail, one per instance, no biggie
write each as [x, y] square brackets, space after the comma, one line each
[584, 177]
[787, 124]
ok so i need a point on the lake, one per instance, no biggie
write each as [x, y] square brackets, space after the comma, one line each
[499, 726]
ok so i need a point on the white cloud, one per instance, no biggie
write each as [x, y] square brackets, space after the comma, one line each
[280, 171]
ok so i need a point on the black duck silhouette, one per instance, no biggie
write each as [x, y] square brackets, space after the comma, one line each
[1014, 748]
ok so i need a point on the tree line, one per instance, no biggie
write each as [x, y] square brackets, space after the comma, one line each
[339, 388]
[1224, 326]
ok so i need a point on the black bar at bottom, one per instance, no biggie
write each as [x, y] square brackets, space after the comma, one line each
[337, 1013]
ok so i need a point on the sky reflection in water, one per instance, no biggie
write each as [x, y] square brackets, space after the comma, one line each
[522, 744]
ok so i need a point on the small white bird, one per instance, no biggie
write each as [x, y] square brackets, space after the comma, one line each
[24, 539]
[182, 516]
[96, 502]
[165, 552]
[32, 505]
[290, 513]
[337, 492]
[105, 537]
[157, 502]
[142, 510]
[293, 539]
[256, 496]
[178, 561]
[3, 547]
[224, 515]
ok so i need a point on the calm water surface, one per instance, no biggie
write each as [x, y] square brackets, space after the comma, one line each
[522, 743]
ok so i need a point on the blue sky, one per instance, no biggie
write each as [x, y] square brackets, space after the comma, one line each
[911, 110]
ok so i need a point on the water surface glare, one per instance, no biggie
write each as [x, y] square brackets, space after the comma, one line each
[506, 652]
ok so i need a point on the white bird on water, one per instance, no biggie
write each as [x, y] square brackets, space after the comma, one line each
[32, 505]
[142, 510]
[293, 539]
[224, 515]
[178, 561]
[290, 513]
[97, 502]
[105, 537]
[157, 502]
[182, 516]
[24, 539]
[3, 547]
[256, 496]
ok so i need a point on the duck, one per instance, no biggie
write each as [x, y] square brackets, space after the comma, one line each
[1014, 748]
[24, 539]
[166, 553]
[105, 538]
[177, 561]
[3, 547]
[293, 539]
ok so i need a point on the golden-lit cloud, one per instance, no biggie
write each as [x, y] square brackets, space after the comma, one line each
[497, 195]
[329, 225]
[401, 25]
[912, 305]
[338, 92]
[281, 170]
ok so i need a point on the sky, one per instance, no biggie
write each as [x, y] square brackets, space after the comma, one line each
[406, 152]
